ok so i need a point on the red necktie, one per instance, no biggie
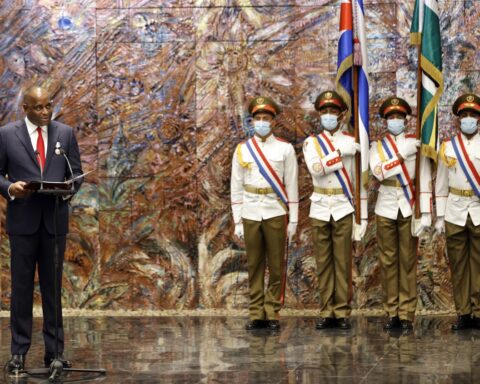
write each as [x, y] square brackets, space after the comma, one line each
[40, 149]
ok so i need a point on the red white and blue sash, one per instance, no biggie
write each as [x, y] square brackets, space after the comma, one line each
[403, 177]
[267, 171]
[342, 175]
[466, 163]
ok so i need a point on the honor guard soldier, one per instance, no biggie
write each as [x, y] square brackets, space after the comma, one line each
[330, 160]
[458, 210]
[392, 162]
[264, 195]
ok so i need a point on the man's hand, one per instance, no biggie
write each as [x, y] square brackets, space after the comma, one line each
[425, 222]
[239, 230]
[291, 230]
[18, 190]
[440, 225]
[350, 149]
[359, 230]
[408, 148]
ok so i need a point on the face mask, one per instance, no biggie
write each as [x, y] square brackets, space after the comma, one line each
[262, 128]
[468, 125]
[329, 121]
[395, 126]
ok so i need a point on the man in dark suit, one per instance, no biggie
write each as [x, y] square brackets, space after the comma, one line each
[31, 149]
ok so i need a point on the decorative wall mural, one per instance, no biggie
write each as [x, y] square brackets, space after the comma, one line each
[157, 93]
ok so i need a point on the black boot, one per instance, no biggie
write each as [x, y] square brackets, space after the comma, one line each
[407, 325]
[326, 322]
[344, 323]
[255, 325]
[476, 322]
[392, 323]
[463, 322]
[274, 325]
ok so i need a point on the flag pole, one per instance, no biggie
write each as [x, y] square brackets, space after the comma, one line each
[358, 171]
[418, 130]
[357, 57]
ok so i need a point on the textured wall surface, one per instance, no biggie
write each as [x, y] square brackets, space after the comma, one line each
[157, 90]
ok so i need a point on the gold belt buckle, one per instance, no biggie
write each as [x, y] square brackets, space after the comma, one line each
[466, 193]
[262, 191]
[329, 191]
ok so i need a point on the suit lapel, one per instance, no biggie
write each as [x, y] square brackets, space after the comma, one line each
[52, 140]
[24, 136]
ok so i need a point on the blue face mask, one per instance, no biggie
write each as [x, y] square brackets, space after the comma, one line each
[468, 125]
[329, 121]
[262, 128]
[395, 126]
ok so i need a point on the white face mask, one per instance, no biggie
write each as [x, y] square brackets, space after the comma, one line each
[395, 126]
[262, 128]
[329, 121]
[468, 125]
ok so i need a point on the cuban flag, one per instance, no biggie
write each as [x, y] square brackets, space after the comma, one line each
[360, 59]
[352, 52]
[344, 80]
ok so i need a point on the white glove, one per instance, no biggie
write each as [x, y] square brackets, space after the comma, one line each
[359, 230]
[291, 230]
[350, 149]
[440, 224]
[408, 148]
[425, 222]
[239, 230]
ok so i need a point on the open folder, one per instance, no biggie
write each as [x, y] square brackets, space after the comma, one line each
[35, 185]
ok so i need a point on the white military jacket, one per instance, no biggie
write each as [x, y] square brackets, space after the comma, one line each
[452, 206]
[254, 206]
[391, 199]
[322, 169]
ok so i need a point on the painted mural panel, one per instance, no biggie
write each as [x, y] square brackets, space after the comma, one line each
[157, 93]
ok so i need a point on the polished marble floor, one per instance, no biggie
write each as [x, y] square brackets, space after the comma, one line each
[219, 350]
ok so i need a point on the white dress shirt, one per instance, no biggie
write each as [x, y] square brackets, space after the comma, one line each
[281, 156]
[391, 199]
[32, 131]
[456, 208]
[323, 175]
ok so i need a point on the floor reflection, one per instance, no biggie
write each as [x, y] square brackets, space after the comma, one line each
[219, 350]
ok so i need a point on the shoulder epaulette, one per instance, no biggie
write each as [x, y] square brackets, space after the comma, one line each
[448, 161]
[282, 140]
[411, 136]
[348, 134]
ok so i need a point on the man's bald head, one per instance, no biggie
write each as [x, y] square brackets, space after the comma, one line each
[37, 105]
[31, 94]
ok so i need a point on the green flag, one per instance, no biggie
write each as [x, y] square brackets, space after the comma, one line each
[425, 30]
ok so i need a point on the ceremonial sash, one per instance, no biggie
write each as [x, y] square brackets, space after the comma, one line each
[267, 171]
[466, 163]
[403, 177]
[342, 175]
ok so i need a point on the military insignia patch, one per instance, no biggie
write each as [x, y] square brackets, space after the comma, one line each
[470, 98]
[260, 100]
[395, 101]
[317, 167]
[328, 95]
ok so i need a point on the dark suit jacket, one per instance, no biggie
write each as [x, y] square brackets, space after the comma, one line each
[18, 162]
